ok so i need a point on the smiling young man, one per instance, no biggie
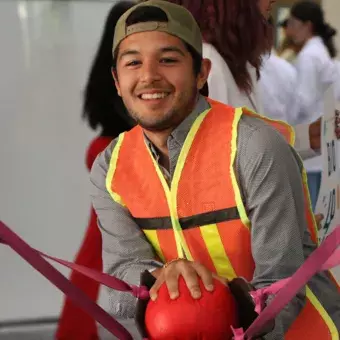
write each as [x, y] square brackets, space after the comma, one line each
[206, 189]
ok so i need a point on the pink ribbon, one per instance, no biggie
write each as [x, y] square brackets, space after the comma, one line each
[325, 257]
[36, 260]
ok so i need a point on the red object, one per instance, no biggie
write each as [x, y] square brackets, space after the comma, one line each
[74, 323]
[210, 317]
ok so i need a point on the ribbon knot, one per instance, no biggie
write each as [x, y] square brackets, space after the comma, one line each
[259, 297]
[140, 292]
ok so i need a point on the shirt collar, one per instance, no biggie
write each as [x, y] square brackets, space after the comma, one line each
[315, 40]
[180, 133]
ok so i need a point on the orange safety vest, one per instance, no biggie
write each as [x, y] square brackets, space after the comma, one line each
[202, 216]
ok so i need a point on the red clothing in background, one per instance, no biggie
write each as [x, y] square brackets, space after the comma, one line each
[74, 323]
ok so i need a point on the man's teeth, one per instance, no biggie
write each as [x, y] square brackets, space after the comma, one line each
[148, 96]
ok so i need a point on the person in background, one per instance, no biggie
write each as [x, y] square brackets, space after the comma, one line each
[314, 64]
[104, 111]
[235, 36]
[236, 52]
[276, 84]
[287, 49]
[316, 71]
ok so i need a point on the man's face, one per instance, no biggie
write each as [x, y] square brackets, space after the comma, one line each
[156, 80]
[266, 7]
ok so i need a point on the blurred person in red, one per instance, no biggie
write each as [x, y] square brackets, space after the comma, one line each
[104, 110]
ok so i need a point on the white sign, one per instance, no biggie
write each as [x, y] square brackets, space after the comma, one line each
[328, 202]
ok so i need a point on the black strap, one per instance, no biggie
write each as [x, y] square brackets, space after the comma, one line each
[194, 221]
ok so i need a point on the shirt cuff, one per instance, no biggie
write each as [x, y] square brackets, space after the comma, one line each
[157, 266]
[153, 269]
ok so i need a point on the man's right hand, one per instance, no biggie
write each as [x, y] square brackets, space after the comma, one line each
[191, 272]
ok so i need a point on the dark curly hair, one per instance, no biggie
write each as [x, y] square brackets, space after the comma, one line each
[310, 11]
[238, 31]
[103, 107]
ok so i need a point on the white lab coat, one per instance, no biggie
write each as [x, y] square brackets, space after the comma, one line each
[277, 86]
[222, 86]
[316, 71]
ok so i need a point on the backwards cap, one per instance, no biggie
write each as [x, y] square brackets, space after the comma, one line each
[180, 23]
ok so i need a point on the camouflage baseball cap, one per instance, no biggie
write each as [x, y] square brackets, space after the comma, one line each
[180, 24]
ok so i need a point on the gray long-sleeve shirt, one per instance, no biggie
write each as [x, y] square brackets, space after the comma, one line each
[268, 172]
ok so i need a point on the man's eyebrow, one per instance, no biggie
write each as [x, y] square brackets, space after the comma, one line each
[128, 52]
[162, 49]
[172, 49]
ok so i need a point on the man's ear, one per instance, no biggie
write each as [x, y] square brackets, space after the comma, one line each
[115, 78]
[202, 77]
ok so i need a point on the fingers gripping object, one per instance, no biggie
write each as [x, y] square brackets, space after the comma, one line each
[213, 316]
[210, 317]
[229, 312]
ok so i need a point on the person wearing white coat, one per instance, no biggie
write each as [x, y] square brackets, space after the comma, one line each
[225, 82]
[271, 96]
[222, 85]
[277, 85]
[235, 49]
[315, 67]
[316, 71]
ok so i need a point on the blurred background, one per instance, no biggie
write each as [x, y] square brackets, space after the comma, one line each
[46, 51]
[47, 47]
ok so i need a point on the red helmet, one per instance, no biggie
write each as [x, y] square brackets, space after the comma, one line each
[209, 317]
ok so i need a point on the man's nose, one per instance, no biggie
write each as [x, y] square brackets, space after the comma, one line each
[150, 72]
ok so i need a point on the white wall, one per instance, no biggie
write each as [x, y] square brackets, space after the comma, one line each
[46, 49]
[332, 12]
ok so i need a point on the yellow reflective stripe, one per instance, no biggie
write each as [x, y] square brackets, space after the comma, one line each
[171, 193]
[217, 252]
[178, 171]
[112, 169]
[152, 236]
[288, 126]
[309, 202]
[178, 233]
[325, 316]
[240, 207]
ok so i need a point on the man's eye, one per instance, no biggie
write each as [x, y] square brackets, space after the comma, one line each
[168, 61]
[133, 63]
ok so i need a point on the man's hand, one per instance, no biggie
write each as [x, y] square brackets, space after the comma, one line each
[318, 219]
[191, 272]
